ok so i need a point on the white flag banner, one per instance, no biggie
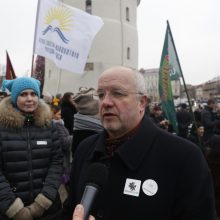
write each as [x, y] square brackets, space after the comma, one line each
[64, 34]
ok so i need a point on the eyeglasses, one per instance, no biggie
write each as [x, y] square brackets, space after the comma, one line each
[115, 94]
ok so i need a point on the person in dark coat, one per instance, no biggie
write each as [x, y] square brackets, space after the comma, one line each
[184, 119]
[68, 110]
[213, 159]
[152, 174]
[86, 120]
[197, 113]
[66, 143]
[158, 118]
[31, 158]
[210, 120]
[196, 135]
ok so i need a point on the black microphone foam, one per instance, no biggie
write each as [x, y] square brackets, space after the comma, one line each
[97, 176]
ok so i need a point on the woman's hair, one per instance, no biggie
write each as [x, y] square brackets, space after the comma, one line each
[66, 97]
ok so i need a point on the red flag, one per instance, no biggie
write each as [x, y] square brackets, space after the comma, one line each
[10, 74]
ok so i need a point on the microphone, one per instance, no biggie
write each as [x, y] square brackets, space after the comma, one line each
[96, 179]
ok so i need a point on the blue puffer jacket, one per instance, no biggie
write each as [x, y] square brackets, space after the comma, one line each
[31, 160]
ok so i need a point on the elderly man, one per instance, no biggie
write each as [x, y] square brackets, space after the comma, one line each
[152, 174]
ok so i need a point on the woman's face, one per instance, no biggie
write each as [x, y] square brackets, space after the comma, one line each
[27, 101]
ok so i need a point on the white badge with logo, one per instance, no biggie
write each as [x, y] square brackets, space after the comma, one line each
[132, 187]
[150, 187]
[41, 142]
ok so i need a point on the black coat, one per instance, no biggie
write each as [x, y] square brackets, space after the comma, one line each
[210, 122]
[31, 158]
[184, 119]
[67, 112]
[154, 175]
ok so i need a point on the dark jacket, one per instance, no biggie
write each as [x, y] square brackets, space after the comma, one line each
[84, 126]
[154, 175]
[31, 158]
[210, 122]
[213, 158]
[184, 119]
[67, 112]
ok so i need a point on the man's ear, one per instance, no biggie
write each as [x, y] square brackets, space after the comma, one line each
[143, 102]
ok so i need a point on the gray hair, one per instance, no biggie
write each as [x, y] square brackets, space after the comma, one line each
[139, 82]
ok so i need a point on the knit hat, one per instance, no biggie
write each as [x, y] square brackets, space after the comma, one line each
[16, 86]
[86, 104]
[47, 97]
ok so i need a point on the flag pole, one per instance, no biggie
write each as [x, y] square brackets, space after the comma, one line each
[35, 31]
[188, 98]
[187, 94]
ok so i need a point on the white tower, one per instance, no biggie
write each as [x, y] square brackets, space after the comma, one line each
[115, 44]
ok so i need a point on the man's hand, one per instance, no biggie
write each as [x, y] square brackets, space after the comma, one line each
[79, 212]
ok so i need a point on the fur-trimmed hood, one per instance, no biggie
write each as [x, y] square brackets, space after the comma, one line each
[13, 118]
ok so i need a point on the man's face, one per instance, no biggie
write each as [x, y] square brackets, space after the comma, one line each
[121, 107]
[200, 131]
[27, 101]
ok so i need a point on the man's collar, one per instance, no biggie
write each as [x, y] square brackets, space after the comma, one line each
[134, 150]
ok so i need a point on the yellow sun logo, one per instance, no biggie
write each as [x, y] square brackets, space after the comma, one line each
[59, 20]
[60, 17]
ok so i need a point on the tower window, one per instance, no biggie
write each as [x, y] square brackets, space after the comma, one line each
[89, 6]
[128, 53]
[49, 74]
[89, 67]
[127, 14]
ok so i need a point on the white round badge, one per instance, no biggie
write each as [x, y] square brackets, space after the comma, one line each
[150, 187]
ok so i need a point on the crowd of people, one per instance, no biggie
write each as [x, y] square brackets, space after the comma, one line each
[202, 127]
[48, 144]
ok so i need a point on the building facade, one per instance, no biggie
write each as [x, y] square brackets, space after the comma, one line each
[115, 44]
[211, 89]
[151, 77]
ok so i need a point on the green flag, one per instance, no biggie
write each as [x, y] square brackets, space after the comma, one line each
[175, 72]
[169, 69]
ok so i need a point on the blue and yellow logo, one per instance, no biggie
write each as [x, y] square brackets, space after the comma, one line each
[59, 20]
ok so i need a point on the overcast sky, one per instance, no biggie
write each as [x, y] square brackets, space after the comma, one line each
[195, 25]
